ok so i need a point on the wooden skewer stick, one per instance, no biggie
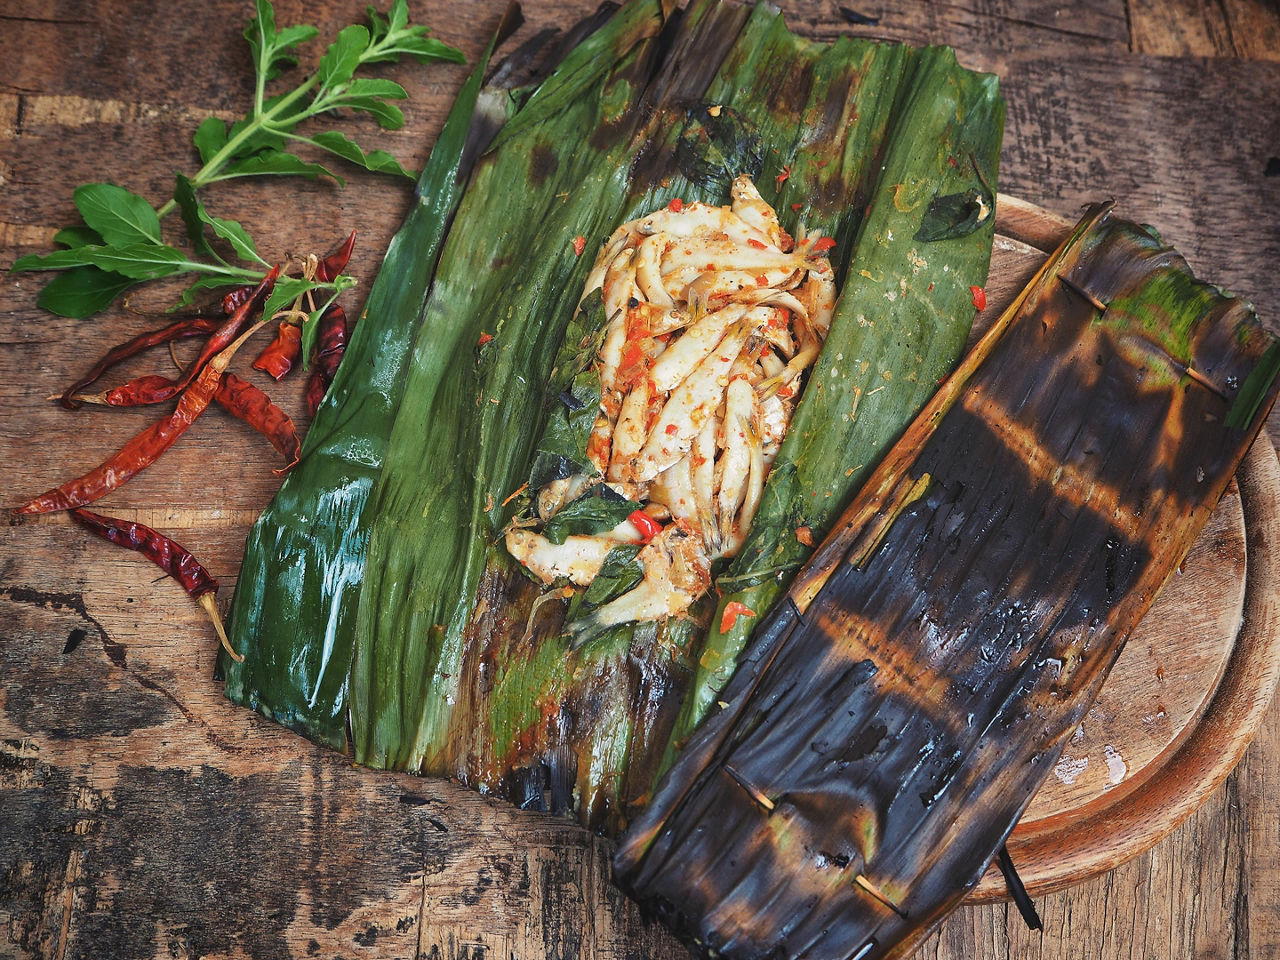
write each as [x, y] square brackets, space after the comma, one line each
[754, 793]
[864, 884]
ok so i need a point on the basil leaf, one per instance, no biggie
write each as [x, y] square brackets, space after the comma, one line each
[279, 163]
[343, 56]
[82, 291]
[599, 511]
[141, 261]
[184, 194]
[424, 49]
[379, 161]
[389, 117]
[562, 449]
[259, 139]
[77, 237]
[272, 48]
[234, 234]
[712, 150]
[121, 217]
[210, 137]
[375, 87]
[620, 572]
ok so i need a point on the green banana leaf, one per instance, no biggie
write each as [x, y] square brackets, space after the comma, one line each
[294, 608]
[456, 667]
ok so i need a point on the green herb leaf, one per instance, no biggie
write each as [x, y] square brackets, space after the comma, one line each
[277, 163]
[620, 572]
[82, 292]
[77, 237]
[955, 215]
[597, 511]
[389, 117]
[562, 449]
[339, 62]
[392, 36]
[214, 282]
[121, 217]
[375, 87]
[210, 137]
[379, 161]
[234, 234]
[139, 261]
[189, 207]
[422, 48]
[272, 48]
[251, 135]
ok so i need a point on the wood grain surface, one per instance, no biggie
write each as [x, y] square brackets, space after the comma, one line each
[141, 815]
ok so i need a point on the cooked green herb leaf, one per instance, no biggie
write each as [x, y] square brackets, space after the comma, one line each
[620, 572]
[598, 511]
[955, 215]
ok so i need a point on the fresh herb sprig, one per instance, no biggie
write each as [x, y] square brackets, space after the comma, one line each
[119, 244]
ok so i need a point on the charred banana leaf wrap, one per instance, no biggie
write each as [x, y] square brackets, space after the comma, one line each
[378, 608]
[893, 717]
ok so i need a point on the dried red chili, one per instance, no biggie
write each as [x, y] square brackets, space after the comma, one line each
[146, 447]
[188, 327]
[331, 345]
[579, 244]
[281, 353]
[823, 244]
[149, 389]
[249, 403]
[331, 341]
[676, 205]
[169, 555]
[979, 297]
[139, 391]
[334, 262]
[316, 389]
[236, 299]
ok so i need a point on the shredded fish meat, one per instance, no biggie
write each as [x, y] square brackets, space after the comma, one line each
[713, 314]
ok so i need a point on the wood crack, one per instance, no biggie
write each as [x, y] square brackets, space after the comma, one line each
[422, 910]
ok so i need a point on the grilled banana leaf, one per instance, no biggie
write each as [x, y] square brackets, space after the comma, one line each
[447, 677]
[892, 718]
[375, 596]
[294, 609]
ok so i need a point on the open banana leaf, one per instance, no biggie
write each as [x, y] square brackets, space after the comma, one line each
[893, 717]
[375, 594]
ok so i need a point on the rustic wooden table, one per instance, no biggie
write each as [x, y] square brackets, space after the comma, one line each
[141, 814]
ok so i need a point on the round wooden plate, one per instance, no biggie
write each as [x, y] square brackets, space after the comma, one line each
[1194, 680]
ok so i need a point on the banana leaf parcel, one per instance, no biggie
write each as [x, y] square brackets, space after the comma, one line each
[377, 609]
[893, 717]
